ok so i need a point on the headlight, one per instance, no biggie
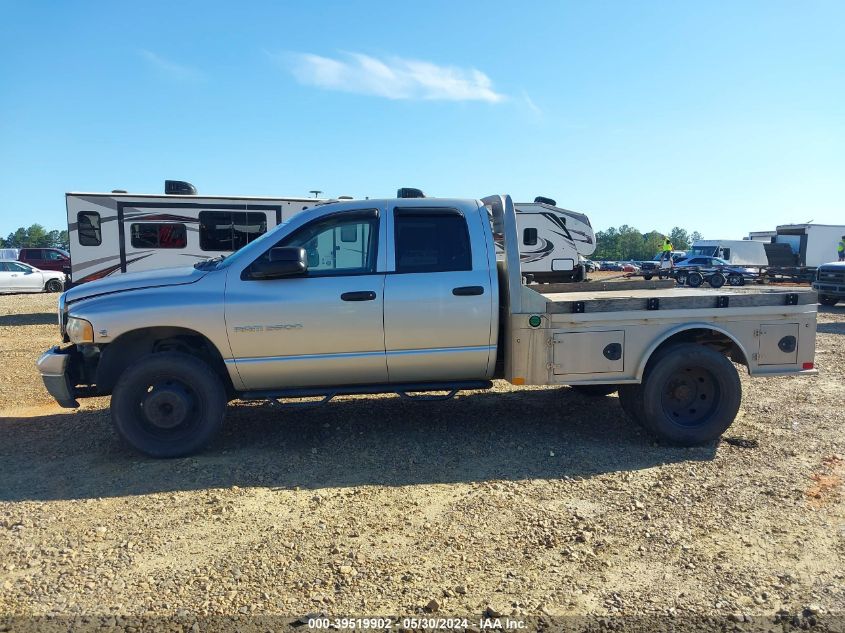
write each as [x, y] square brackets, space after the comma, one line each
[79, 331]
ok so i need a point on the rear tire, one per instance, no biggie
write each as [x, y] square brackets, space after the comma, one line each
[691, 395]
[735, 279]
[168, 404]
[828, 300]
[53, 285]
[647, 277]
[595, 391]
[716, 280]
[695, 279]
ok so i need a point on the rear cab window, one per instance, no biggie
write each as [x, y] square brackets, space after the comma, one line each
[431, 241]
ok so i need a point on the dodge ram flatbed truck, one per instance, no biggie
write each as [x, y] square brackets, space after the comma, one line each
[406, 295]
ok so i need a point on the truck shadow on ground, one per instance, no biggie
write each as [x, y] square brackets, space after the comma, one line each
[541, 433]
[37, 318]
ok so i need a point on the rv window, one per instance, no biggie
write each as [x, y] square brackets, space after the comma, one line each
[431, 242]
[230, 230]
[529, 237]
[158, 235]
[88, 228]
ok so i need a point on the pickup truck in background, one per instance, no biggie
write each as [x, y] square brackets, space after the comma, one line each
[406, 295]
[830, 283]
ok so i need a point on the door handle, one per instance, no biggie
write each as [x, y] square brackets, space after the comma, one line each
[468, 291]
[362, 295]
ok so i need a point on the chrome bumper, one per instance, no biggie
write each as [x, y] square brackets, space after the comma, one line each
[53, 366]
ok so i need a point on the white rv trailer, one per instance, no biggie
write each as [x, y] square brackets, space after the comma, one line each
[812, 244]
[118, 232]
[553, 242]
[744, 252]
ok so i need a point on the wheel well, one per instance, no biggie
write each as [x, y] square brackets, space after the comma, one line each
[714, 339]
[119, 354]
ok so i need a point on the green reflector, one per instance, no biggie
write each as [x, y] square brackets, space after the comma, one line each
[534, 321]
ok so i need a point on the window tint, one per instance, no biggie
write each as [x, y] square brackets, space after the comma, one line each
[15, 267]
[431, 242]
[230, 230]
[343, 244]
[152, 235]
[33, 253]
[726, 253]
[88, 228]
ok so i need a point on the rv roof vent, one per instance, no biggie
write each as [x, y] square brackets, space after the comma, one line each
[543, 200]
[345, 198]
[179, 188]
[409, 192]
[119, 191]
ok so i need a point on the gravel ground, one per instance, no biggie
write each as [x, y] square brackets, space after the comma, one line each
[522, 502]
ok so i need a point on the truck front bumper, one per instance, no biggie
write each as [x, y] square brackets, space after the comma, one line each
[54, 366]
[832, 289]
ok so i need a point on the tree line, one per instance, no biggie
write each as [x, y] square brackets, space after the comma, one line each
[626, 242]
[34, 237]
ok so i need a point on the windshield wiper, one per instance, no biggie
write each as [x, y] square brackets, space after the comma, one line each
[211, 262]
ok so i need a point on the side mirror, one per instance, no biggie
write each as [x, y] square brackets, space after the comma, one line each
[284, 261]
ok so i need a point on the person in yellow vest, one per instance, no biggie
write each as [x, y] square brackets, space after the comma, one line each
[667, 249]
[841, 249]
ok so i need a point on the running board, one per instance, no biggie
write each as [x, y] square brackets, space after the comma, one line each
[402, 389]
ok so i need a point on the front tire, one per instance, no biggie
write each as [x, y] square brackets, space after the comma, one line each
[53, 285]
[168, 404]
[691, 395]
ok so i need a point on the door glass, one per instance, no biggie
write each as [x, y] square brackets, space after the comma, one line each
[337, 245]
[431, 242]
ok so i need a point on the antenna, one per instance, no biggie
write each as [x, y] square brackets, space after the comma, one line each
[316, 192]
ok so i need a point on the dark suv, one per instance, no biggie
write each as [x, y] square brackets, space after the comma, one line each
[46, 259]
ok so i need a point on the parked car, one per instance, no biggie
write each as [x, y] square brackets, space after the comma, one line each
[19, 277]
[630, 267]
[734, 275]
[46, 258]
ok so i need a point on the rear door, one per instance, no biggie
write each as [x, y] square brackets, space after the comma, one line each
[438, 299]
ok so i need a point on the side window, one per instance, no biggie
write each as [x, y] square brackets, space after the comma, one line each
[4, 267]
[34, 253]
[152, 235]
[53, 255]
[342, 244]
[529, 237]
[88, 228]
[230, 230]
[431, 242]
[726, 254]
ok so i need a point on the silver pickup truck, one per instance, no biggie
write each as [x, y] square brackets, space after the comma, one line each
[406, 295]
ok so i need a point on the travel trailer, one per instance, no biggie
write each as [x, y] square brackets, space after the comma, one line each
[553, 242]
[118, 232]
[812, 244]
[744, 252]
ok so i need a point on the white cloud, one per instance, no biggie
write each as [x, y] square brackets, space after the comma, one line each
[392, 77]
[531, 105]
[170, 69]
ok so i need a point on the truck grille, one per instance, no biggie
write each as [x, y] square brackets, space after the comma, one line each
[834, 275]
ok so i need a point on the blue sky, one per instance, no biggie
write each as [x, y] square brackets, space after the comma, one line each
[723, 117]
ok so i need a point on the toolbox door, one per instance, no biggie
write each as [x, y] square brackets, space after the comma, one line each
[589, 352]
[778, 344]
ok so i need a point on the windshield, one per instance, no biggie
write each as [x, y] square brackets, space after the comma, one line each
[225, 261]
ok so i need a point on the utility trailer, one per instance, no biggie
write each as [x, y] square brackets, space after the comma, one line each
[425, 306]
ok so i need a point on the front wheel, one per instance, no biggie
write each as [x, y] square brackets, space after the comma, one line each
[716, 280]
[828, 300]
[53, 285]
[168, 404]
[695, 279]
[690, 395]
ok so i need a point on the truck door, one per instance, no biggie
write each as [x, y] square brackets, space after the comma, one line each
[321, 328]
[438, 303]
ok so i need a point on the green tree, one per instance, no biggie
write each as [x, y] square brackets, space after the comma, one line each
[694, 237]
[680, 238]
[36, 236]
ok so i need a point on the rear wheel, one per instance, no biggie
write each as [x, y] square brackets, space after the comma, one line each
[647, 276]
[690, 396]
[695, 279]
[595, 391]
[828, 300]
[716, 280]
[735, 279]
[53, 285]
[682, 278]
[168, 404]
